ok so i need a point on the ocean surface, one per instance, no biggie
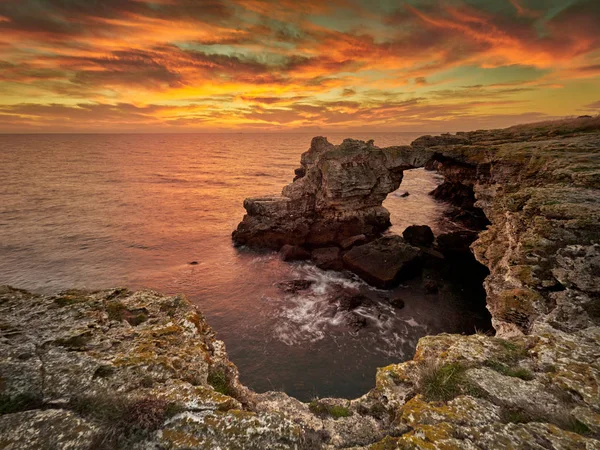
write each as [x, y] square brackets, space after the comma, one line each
[100, 211]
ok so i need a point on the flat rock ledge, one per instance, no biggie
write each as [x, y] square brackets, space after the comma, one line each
[141, 370]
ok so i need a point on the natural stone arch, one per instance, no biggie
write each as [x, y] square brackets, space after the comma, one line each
[338, 193]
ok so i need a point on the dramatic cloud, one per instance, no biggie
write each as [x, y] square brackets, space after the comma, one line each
[81, 65]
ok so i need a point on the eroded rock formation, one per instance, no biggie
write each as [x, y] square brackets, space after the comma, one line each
[337, 194]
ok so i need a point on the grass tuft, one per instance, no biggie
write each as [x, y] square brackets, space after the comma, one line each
[321, 409]
[442, 382]
[219, 381]
[517, 372]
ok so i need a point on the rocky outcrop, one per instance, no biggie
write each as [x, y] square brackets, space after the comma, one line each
[384, 262]
[117, 369]
[77, 374]
[337, 195]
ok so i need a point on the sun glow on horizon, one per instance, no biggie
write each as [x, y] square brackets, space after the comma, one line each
[259, 65]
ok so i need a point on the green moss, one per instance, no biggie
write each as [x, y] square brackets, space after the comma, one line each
[219, 381]
[10, 404]
[65, 300]
[510, 352]
[535, 414]
[517, 372]
[321, 409]
[115, 310]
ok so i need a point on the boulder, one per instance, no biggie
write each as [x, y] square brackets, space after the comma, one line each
[353, 240]
[294, 286]
[327, 258]
[384, 262]
[347, 301]
[419, 235]
[356, 321]
[293, 253]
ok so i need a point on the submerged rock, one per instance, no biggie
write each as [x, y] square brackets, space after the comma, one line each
[328, 258]
[419, 235]
[431, 287]
[384, 262]
[293, 253]
[294, 286]
[355, 321]
[347, 301]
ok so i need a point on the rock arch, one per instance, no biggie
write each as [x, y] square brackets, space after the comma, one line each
[337, 193]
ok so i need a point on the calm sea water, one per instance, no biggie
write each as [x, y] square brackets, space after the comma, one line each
[98, 211]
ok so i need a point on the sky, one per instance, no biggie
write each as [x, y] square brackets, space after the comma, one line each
[295, 65]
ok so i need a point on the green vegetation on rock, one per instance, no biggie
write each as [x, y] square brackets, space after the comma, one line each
[322, 409]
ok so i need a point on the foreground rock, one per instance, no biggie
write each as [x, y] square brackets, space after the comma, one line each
[337, 195]
[384, 262]
[76, 374]
[117, 369]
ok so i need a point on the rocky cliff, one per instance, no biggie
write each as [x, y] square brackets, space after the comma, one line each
[141, 370]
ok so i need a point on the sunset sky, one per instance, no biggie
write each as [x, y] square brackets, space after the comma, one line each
[287, 65]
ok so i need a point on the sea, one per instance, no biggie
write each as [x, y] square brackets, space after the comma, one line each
[134, 210]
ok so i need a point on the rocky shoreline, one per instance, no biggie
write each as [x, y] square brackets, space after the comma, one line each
[118, 369]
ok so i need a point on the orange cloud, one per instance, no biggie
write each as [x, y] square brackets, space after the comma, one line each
[253, 63]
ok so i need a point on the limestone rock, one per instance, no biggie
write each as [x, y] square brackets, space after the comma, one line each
[339, 196]
[384, 262]
[49, 428]
[352, 241]
[235, 430]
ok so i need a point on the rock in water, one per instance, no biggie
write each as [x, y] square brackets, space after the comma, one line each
[338, 194]
[347, 301]
[397, 302]
[384, 262]
[456, 242]
[294, 286]
[353, 240]
[431, 287]
[328, 258]
[293, 253]
[419, 235]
